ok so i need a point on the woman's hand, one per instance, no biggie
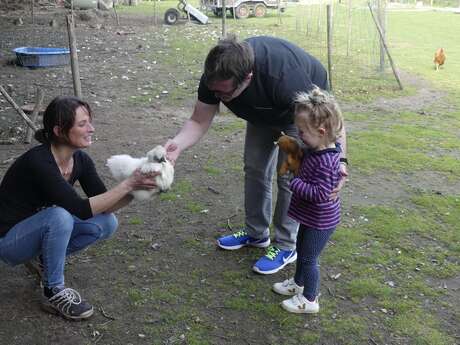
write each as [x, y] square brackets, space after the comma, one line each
[172, 151]
[344, 173]
[119, 196]
[138, 180]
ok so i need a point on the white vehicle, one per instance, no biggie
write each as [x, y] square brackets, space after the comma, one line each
[244, 8]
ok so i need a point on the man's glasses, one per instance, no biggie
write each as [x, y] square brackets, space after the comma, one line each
[228, 94]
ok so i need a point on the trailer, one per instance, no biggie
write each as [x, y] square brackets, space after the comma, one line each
[244, 8]
[172, 15]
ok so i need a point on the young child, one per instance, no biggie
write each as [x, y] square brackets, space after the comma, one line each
[319, 121]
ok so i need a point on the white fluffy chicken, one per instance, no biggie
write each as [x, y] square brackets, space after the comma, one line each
[122, 166]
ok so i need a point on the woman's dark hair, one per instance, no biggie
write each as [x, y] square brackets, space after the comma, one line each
[229, 59]
[60, 112]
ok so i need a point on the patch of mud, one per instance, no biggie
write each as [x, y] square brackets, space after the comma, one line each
[431, 182]
[425, 97]
[377, 189]
[383, 189]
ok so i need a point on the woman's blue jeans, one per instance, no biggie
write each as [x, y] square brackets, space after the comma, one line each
[53, 233]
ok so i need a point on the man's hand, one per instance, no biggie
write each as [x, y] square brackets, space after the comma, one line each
[172, 151]
[344, 173]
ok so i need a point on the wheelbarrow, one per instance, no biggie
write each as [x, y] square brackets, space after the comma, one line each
[183, 11]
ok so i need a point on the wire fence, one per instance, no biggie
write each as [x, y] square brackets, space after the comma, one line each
[356, 55]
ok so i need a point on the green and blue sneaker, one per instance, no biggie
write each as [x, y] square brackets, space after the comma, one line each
[241, 239]
[274, 260]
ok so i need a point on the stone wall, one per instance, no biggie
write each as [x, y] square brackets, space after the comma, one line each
[11, 5]
[22, 4]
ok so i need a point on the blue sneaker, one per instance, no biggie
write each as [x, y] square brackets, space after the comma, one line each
[241, 239]
[274, 260]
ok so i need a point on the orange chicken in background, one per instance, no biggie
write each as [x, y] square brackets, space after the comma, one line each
[439, 58]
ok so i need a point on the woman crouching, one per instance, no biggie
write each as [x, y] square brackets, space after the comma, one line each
[43, 218]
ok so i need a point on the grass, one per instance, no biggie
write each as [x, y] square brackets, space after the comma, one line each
[384, 262]
[136, 221]
[422, 40]
[229, 127]
[421, 328]
[392, 257]
[211, 168]
[180, 189]
[402, 148]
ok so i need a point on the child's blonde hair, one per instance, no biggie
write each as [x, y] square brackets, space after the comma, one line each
[321, 110]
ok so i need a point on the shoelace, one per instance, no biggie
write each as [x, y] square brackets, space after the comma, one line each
[300, 300]
[272, 252]
[239, 234]
[288, 282]
[65, 298]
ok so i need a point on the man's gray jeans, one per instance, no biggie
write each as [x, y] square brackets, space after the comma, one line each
[261, 159]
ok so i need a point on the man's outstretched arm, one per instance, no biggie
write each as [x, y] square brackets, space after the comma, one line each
[192, 131]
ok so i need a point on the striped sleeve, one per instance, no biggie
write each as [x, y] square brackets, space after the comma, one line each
[320, 185]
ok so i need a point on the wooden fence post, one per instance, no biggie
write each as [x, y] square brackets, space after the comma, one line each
[39, 95]
[329, 44]
[116, 13]
[382, 38]
[279, 12]
[382, 21]
[224, 18]
[33, 11]
[74, 56]
[349, 31]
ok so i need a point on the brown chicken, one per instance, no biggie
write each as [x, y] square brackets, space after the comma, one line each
[294, 153]
[439, 58]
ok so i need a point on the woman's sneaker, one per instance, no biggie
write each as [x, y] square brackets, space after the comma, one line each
[287, 288]
[67, 303]
[299, 304]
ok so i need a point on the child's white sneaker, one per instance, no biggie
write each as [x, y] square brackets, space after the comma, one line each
[287, 288]
[300, 305]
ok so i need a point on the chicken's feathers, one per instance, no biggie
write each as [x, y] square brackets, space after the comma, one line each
[122, 166]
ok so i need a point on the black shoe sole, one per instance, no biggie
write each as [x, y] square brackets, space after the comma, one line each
[52, 310]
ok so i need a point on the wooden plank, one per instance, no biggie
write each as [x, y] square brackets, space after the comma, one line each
[18, 109]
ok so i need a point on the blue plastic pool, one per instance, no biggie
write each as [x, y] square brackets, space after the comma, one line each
[42, 57]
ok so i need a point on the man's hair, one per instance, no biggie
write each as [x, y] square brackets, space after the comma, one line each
[320, 109]
[229, 59]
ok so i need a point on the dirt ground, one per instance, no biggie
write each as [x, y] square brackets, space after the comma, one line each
[164, 249]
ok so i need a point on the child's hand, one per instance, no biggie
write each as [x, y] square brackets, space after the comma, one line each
[336, 190]
[293, 183]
